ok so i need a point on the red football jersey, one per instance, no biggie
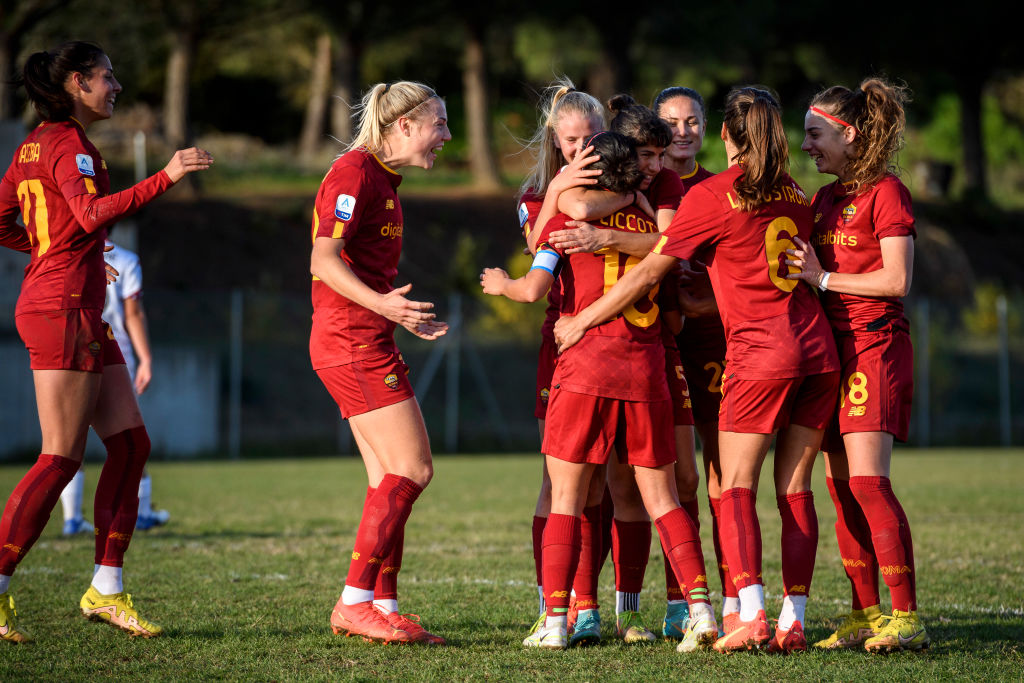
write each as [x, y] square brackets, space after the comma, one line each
[697, 175]
[59, 182]
[622, 358]
[665, 191]
[358, 203]
[529, 209]
[847, 231]
[707, 324]
[775, 327]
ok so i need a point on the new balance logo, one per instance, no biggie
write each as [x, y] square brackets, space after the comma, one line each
[560, 594]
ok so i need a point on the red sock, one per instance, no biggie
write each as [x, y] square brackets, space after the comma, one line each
[680, 539]
[855, 548]
[741, 537]
[29, 507]
[890, 536]
[607, 515]
[672, 589]
[561, 555]
[588, 569]
[799, 541]
[386, 587]
[116, 505]
[631, 549]
[384, 516]
[728, 589]
[538, 543]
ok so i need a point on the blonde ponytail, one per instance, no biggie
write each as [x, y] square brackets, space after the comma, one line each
[382, 105]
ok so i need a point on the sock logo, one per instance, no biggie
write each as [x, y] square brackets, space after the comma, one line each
[853, 563]
[16, 549]
[796, 589]
[559, 594]
[895, 569]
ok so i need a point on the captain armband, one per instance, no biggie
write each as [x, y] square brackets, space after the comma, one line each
[545, 260]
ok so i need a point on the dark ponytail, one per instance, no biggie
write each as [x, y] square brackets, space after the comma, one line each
[753, 119]
[46, 72]
[638, 123]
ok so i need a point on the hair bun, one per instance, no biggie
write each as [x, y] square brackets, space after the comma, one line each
[619, 102]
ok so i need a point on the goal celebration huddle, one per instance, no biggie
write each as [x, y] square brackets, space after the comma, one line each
[735, 307]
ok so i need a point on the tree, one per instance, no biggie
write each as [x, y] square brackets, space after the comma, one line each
[17, 17]
[316, 109]
[482, 162]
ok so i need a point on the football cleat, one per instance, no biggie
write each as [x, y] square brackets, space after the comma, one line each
[547, 638]
[8, 616]
[902, 631]
[729, 622]
[410, 623]
[630, 628]
[588, 628]
[117, 610]
[788, 640]
[152, 519]
[77, 526]
[701, 634]
[539, 623]
[677, 617]
[366, 621]
[856, 627]
[746, 635]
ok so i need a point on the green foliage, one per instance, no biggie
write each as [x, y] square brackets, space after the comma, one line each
[244, 577]
[504, 319]
[982, 319]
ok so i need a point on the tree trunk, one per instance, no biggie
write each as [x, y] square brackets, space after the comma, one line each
[8, 52]
[316, 109]
[179, 67]
[347, 69]
[970, 87]
[482, 164]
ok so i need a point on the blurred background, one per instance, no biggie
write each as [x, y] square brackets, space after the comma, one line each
[266, 87]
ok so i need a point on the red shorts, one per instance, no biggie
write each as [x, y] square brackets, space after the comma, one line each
[68, 339]
[584, 428]
[761, 406]
[682, 410]
[876, 385]
[547, 359]
[364, 385]
[703, 365]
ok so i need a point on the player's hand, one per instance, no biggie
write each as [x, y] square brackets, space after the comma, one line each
[567, 332]
[111, 273]
[430, 330]
[493, 280]
[576, 173]
[583, 238]
[187, 161]
[143, 374]
[804, 258]
[409, 314]
[644, 205]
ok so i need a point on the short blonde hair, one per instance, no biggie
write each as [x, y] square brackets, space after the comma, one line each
[382, 105]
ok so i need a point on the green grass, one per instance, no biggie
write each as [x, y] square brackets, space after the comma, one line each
[244, 577]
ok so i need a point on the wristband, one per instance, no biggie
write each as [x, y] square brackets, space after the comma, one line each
[823, 285]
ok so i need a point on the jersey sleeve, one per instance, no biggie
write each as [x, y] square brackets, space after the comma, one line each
[131, 278]
[529, 210]
[556, 223]
[94, 211]
[892, 214]
[694, 226]
[12, 235]
[340, 208]
[667, 191]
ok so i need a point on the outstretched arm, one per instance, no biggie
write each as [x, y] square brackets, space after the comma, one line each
[634, 284]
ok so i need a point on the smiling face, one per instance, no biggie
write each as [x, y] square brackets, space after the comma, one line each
[94, 93]
[571, 129]
[428, 133]
[830, 146]
[686, 119]
[651, 160]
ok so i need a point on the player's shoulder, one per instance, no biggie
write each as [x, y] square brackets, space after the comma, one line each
[891, 186]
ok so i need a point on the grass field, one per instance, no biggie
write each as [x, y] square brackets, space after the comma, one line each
[244, 577]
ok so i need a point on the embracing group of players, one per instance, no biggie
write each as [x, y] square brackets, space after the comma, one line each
[736, 305]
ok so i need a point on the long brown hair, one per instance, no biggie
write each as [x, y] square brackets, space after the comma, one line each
[876, 111]
[45, 73]
[753, 119]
